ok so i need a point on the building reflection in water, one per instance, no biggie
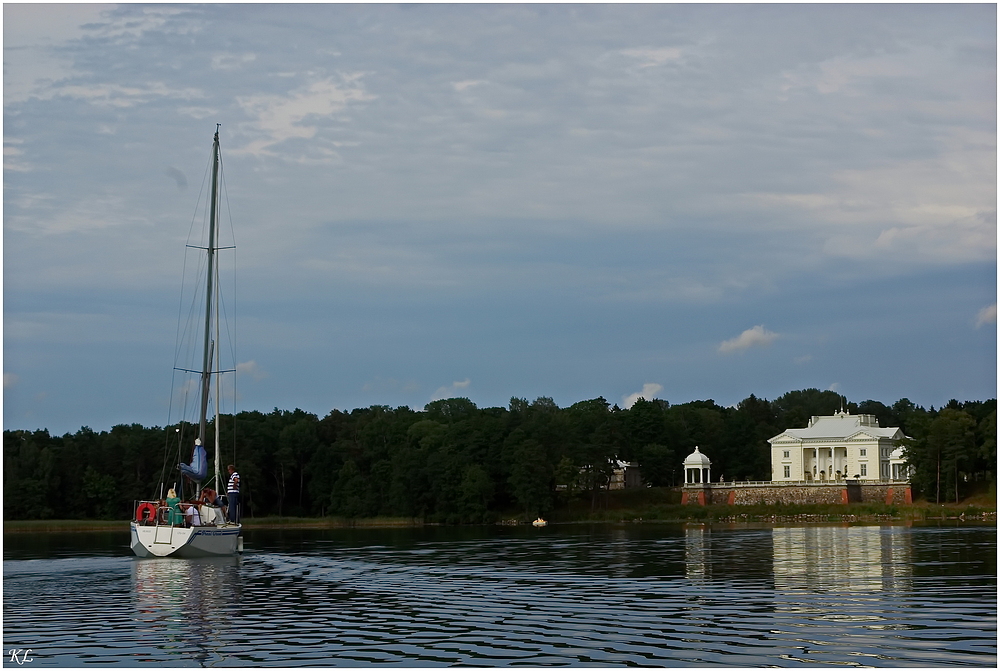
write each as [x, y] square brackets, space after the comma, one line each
[832, 558]
[184, 604]
[849, 559]
[697, 552]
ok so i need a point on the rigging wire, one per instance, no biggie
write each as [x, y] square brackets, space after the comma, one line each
[230, 335]
[187, 329]
[180, 337]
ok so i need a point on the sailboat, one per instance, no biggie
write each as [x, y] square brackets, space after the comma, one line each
[158, 529]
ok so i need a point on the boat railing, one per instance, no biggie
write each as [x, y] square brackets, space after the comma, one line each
[164, 518]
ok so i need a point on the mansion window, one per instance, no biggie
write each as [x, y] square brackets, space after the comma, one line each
[863, 451]
[864, 470]
[788, 471]
[786, 454]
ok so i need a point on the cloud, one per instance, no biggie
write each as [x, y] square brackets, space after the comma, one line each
[805, 358]
[116, 95]
[9, 380]
[278, 118]
[13, 157]
[651, 56]
[252, 369]
[987, 315]
[834, 387]
[461, 86]
[34, 37]
[757, 336]
[451, 391]
[93, 212]
[231, 61]
[649, 392]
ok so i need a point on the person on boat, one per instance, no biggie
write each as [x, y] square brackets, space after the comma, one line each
[174, 504]
[209, 497]
[213, 512]
[233, 494]
[192, 518]
[198, 468]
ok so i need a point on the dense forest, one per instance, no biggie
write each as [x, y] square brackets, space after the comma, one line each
[454, 462]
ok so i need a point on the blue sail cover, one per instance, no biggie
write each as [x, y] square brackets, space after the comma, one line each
[198, 468]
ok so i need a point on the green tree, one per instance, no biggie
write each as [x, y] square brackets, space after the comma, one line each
[475, 493]
[939, 453]
[297, 442]
[100, 493]
[657, 463]
[349, 491]
[952, 439]
[530, 476]
[988, 446]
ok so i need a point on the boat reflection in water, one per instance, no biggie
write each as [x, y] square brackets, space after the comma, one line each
[182, 607]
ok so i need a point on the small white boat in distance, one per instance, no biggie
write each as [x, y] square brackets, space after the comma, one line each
[539, 523]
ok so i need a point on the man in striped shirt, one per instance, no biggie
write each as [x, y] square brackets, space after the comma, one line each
[233, 494]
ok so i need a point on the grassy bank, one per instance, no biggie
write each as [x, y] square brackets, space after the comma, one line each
[861, 512]
[663, 505]
[629, 505]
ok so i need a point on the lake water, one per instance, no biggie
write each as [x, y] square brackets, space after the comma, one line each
[603, 595]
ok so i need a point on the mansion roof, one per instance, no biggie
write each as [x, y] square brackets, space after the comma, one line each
[840, 426]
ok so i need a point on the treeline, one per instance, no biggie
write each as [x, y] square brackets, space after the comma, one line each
[454, 462]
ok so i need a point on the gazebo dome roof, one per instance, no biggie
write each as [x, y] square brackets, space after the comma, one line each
[697, 460]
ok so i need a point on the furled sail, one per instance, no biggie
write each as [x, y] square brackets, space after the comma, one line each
[198, 468]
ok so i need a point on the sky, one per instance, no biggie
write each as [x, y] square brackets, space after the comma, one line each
[492, 201]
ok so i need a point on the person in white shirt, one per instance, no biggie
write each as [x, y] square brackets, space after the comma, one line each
[193, 519]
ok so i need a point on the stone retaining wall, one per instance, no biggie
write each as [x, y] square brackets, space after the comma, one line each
[746, 494]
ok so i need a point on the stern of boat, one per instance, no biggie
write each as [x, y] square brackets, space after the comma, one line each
[186, 542]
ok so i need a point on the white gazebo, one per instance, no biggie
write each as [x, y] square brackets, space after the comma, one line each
[697, 468]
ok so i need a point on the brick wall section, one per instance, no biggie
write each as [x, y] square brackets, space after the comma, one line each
[794, 493]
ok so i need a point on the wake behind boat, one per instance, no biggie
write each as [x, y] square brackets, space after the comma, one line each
[203, 524]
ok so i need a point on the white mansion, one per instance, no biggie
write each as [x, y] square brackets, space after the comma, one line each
[836, 448]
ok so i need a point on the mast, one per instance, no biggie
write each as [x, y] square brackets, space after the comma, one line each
[218, 383]
[206, 366]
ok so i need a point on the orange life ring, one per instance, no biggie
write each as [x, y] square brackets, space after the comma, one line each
[140, 512]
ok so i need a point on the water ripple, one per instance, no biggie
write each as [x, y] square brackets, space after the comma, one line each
[856, 596]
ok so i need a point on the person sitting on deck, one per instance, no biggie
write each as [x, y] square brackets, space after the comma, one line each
[174, 504]
[193, 519]
[198, 468]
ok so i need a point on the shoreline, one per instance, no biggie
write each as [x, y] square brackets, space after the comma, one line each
[697, 515]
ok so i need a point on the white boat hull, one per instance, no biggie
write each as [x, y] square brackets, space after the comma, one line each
[176, 541]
